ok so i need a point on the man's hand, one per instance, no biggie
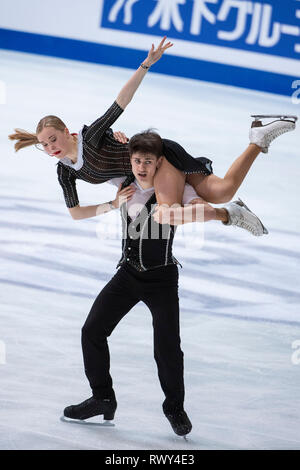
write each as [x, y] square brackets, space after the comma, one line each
[164, 214]
[123, 195]
[175, 215]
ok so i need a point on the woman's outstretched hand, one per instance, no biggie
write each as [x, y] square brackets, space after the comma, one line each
[155, 54]
[129, 89]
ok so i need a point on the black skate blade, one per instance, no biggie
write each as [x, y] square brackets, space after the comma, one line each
[86, 422]
[282, 117]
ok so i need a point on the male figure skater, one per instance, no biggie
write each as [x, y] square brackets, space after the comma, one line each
[147, 272]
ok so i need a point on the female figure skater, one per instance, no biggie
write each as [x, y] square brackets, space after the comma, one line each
[95, 156]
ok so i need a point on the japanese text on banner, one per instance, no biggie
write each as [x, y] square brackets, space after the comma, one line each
[270, 27]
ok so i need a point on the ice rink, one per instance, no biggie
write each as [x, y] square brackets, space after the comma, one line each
[240, 298]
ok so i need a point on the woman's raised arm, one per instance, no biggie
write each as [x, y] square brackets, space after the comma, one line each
[127, 92]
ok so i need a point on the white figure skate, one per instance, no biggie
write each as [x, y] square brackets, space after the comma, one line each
[241, 216]
[263, 134]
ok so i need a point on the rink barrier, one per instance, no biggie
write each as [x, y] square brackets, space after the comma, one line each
[130, 58]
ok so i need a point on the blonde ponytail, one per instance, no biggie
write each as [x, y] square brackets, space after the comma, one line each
[25, 139]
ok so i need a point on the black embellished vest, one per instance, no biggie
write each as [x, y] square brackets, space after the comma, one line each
[145, 243]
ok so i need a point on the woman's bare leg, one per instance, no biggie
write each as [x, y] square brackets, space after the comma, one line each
[197, 210]
[219, 190]
[169, 184]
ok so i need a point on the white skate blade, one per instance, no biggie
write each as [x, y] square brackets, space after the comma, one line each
[241, 203]
[282, 117]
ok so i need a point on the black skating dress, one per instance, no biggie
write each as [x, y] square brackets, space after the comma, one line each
[101, 158]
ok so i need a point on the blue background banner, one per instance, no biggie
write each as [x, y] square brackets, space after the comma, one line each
[250, 44]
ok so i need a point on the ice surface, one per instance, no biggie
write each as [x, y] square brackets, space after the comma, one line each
[239, 294]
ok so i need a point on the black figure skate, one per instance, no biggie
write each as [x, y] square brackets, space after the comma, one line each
[92, 407]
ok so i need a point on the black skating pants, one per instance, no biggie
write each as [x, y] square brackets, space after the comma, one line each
[158, 289]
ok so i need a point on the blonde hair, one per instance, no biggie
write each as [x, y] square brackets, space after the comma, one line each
[25, 139]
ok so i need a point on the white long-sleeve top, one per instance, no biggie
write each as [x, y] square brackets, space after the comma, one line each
[141, 196]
